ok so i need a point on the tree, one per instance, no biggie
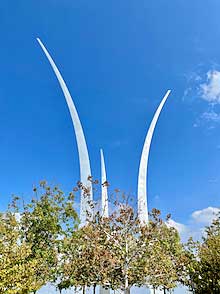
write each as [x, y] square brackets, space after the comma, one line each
[18, 270]
[103, 252]
[87, 259]
[203, 261]
[31, 237]
[127, 246]
[45, 222]
[162, 259]
[119, 252]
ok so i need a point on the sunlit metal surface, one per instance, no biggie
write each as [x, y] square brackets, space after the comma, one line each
[85, 170]
[142, 177]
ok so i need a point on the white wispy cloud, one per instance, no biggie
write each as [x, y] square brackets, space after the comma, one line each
[205, 216]
[196, 223]
[205, 87]
[211, 116]
[210, 90]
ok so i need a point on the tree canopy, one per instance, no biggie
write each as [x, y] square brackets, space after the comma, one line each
[41, 242]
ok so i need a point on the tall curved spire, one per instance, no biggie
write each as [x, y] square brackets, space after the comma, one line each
[104, 187]
[142, 177]
[85, 170]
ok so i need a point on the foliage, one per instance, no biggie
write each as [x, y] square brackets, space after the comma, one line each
[163, 255]
[31, 237]
[203, 261]
[86, 261]
[18, 270]
[41, 242]
[118, 252]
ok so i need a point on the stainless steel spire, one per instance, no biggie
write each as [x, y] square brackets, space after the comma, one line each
[85, 170]
[142, 177]
[104, 187]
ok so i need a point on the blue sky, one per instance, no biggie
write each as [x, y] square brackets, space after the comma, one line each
[118, 59]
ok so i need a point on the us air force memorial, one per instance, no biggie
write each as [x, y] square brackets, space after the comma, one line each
[84, 161]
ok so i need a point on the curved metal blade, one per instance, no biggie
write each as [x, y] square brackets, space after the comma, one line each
[104, 187]
[85, 170]
[142, 177]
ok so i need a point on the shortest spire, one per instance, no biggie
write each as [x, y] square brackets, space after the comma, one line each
[105, 212]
